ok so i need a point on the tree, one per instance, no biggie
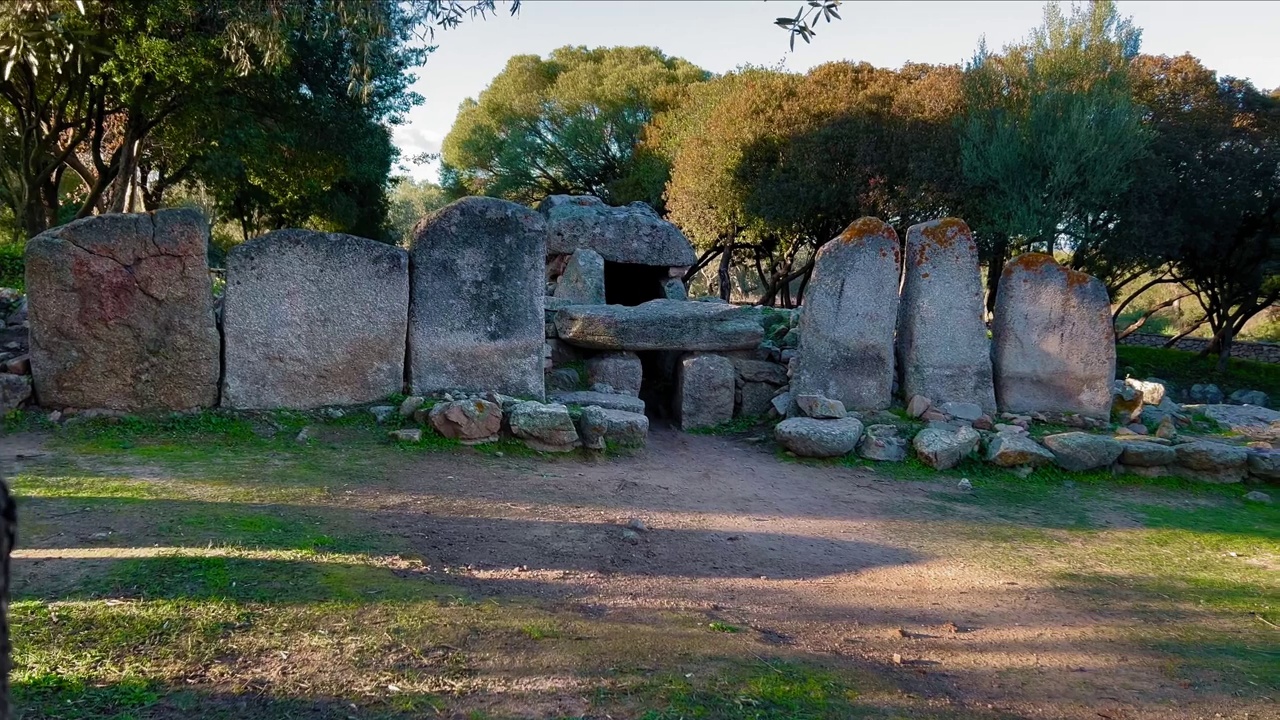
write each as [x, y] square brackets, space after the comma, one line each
[568, 124]
[1051, 135]
[412, 200]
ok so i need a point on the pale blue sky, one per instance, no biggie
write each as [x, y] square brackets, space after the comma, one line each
[1234, 38]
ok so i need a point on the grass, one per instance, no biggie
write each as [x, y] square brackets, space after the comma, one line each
[1184, 369]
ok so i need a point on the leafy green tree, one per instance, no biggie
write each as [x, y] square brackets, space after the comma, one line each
[411, 201]
[567, 124]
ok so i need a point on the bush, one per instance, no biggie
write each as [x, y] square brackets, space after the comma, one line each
[11, 266]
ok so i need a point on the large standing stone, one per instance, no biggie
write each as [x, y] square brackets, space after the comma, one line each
[121, 313]
[312, 319]
[1054, 346]
[583, 278]
[942, 334]
[475, 308]
[847, 325]
[630, 234]
[706, 391]
[622, 370]
[661, 325]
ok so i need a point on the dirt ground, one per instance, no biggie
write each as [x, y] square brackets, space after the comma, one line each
[837, 563]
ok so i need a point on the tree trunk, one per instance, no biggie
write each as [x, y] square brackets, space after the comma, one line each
[995, 266]
[722, 276]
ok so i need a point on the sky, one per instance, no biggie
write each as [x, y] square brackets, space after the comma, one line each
[1234, 38]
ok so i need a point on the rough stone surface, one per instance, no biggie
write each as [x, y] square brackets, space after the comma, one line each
[941, 448]
[1211, 456]
[1249, 420]
[661, 325]
[121, 313]
[630, 234]
[1144, 453]
[883, 443]
[608, 401]
[583, 278]
[406, 435]
[546, 428]
[822, 408]
[1265, 464]
[1014, 450]
[563, 379]
[706, 391]
[942, 332]
[1258, 496]
[783, 403]
[757, 398]
[811, 437]
[850, 313]
[599, 426]
[1126, 404]
[918, 405]
[471, 421]
[475, 311]
[1078, 451]
[1152, 389]
[622, 370]
[312, 319]
[962, 410]
[760, 371]
[14, 390]
[1249, 397]
[1206, 394]
[674, 289]
[1053, 340]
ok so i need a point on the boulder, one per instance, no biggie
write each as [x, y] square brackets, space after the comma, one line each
[475, 308]
[564, 378]
[608, 401]
[1126, 404]
[1153, 390]
[1264, 464]
[1205, 394]
[600, 426]
[312, 319]
[822, 408]
[406, 435]
[784, 404]
[1014, 450]
[918, 405]
[706, 391]
[882, 443]
[942, 448]
[1079, 451]
[849, 317]
[760, 371]
[661, 325]
[630, 234]
[1252, 421]
[1249, 397]
[583, 280]
[674, 289]
[811, 437]
[943, 349]
[756, 399]
[471, 421]
[1053, 339]
[622, 370]
[546, 428]
[121, 313]
[1144, 453]
[962, 410]
[14, 391]
[1211, 456]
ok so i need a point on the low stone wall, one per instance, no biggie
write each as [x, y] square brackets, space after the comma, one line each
[1257, 351]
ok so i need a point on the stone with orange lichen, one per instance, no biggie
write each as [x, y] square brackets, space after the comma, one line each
[847, 323]
[943, 350]
[1053, 345]
[471, 421]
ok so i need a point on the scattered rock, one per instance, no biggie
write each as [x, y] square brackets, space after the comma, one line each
[1005, 429]
[1077, 451]
[1264, 464]
[782, 404]
[471, 421]
[962, 410]
[942, 449]
[1207, 394]
[547, 428]
[1252, 421]
[1211, 456]
[761, 371]
[406, 435]
[1166, 430]
[1015, 450]
[757, 399]
[1249, 397]
[410, 404]
[630, 536]
[638, 525]
[918, 405]
[1144, 453]
[882, 442]
[1137, 429]
[600, 426]
[984, 422]
[964, 484]
[20, 365]
[1126, 404]
[382, 412]
[810, 437]
[14, 390]
[819, 407]
[1258, 496]
[1152, 390]
[304, 435]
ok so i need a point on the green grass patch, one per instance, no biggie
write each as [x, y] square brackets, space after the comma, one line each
[1184, 369]
[764, 691]
[12, 265]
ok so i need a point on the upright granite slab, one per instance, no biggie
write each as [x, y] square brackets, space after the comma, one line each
[312, 319]
[661, 325]
[630, 234]
[583, 279]
[1054, 346]
[943, 351]
[847, 325]
[121, 313]
[476, 297]
[706, 391]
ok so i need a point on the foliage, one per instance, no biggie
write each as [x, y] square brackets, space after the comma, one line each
[12, 266]
[1184, 369]
[568, 124]
[411, 201]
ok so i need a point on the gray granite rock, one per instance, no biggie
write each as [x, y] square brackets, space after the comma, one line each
[706, 391]
[883, 443]
[312, 319]
[1144, 453]
[1015, 450]
[943, 349]
[630, 234]
[121, 313]
[1249, 397]
[1053, 339]
[850, 312]
[811, 437]
[943, 448]
[564, 378]
[475, 311]
[760, 371]
[757, 398]
[546, 428]
[1252, 421]
[14, 391]
[661, 325]
[622, 370]
[674, 289]
[1264, 464]
[471, 421]
[600, 426]
[1205, 394]
[962, 410]
[608, 401]
[1211, 456]
[1153, 390]
[1079, 451]
[583, 280]
[822, 408]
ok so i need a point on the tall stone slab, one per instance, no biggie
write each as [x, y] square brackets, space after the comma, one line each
[706, 391]
[943, 351]
[847, 324]
[121, 313]
[476, 299]
[1054, 346]
[312, 319]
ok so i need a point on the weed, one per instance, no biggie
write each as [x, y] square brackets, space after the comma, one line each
[724, 627]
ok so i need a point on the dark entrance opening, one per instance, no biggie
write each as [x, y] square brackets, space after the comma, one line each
[632, 284]
[658, 384]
